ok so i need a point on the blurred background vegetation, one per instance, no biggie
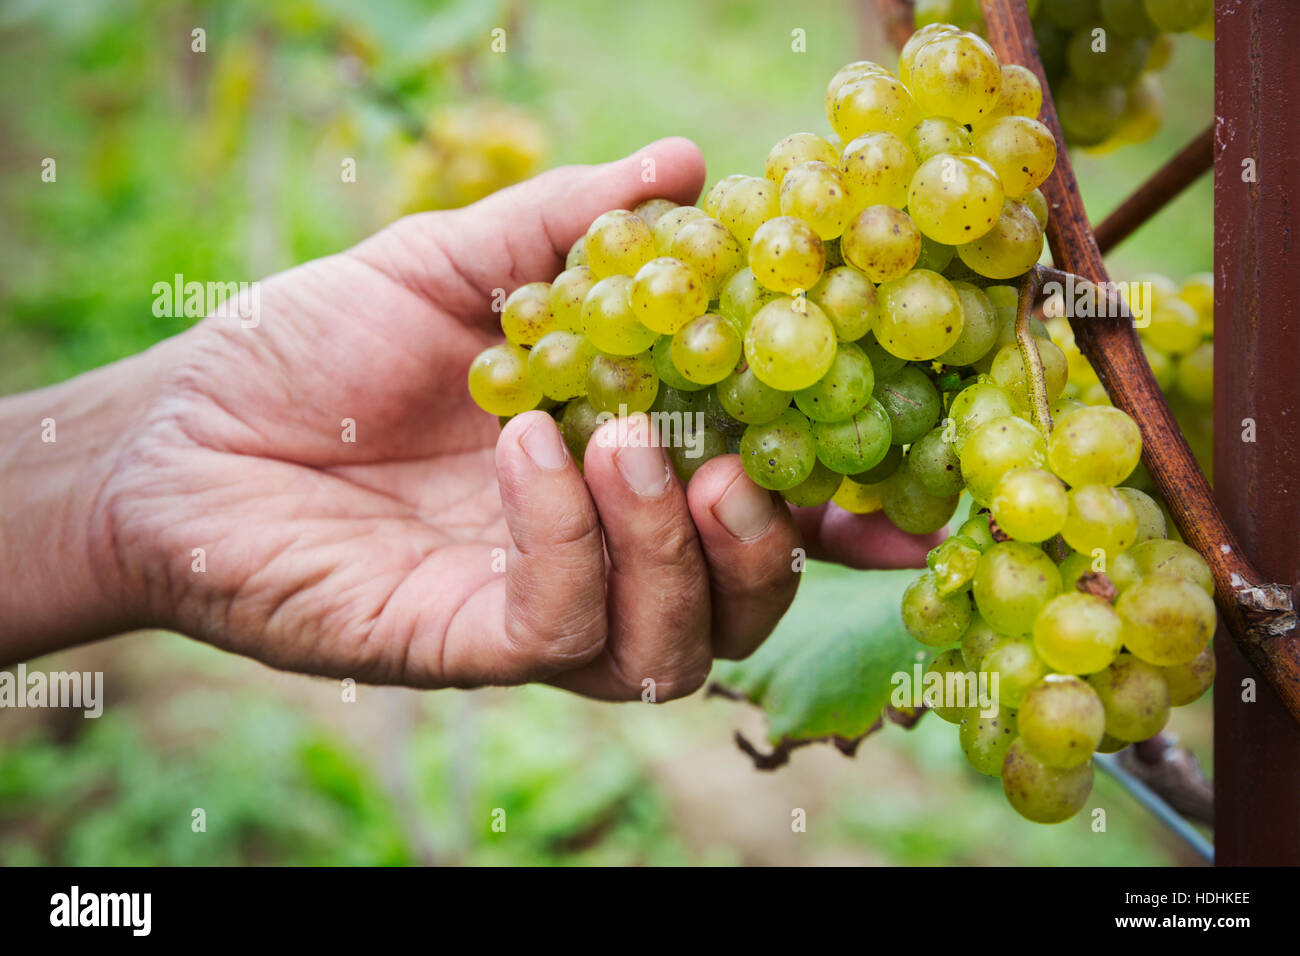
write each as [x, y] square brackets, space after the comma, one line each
[225, 165]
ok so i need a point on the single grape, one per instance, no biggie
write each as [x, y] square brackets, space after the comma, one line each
[934, 463]
[577, 254]
[577, 424]
[622, 385]
[1022, 95]
[527, 313]
[1008, 371]
[1173, 558]
[1017, 666]
[975, 405]
[994, 448]
[1174, 327]
[610, 323]
[844, 389]
[956, 75]
[950, 688]
[979, 327]
[1135, 698]
[1178, 16]
[1198, 292]
[662, 355]
[499, 381]
[911, 401]
[790, 344]
[1012, 583]
[1021, 150]
[887, 466]
[1077, 633]
[977, 641]
[1029, 504]
[872, 102]
[914, 43]
[986, 740]
[882, 242]
[817, 489]
[666, 294]
[1041, 793]
[934, 135]
[1011, 248]
[1099, 519]
[558, 363]
[849, 300]
[748, 400]
[1196, 374]
[670, 223]
[748, 204]
[787, 256]
[852, 445]
[858, 498]
[1151, 519]
[977, 529]
[1089, 113]
[816, 194]
[689, 456]
[920, 316]
[1115, 59]
[706, 349]
[650, 210]
[955, 199]
[618, 243]
[1167, 620]
[1061, 721]
[1036, 203]
[779, 454]
[1064, 406]
[934, 619]
[1189, 680]
[1144, 110]
[910, 507]
[568, 292]
[710, 249]
[934, 256]
[795, 150]
[711, 200]
[953, 562]
[742, 296]
[877, 168]
[715, 416]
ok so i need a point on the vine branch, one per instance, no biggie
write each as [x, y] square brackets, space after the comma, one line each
[1259, 615]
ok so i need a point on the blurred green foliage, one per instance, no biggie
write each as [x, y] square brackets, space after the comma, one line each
[224, 166]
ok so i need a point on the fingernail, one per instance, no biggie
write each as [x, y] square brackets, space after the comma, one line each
[542, 443]
[644, 468]
[745, 509]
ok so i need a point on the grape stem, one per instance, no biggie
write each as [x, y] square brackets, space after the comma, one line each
[1035, 378]
[1260, 616]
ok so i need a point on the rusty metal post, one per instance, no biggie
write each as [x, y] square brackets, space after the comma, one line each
[1257, 396]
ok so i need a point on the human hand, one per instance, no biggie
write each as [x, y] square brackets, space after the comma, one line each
[436, 549]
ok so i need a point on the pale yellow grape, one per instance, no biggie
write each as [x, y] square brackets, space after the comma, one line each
[849, 300]
[670, 223]
[1022, 94]
[920, 315]
[609, 321]
[1099, 519]
[934, 619]
[787, 255]
[1198, 292]
[986, 740]
[1029, 504]
[1008, 372]
[710, 201]
[874, 102]
[877, 168]
[568, 292]
[1011, 248]
[918, 39]
[1175, 327]
[742, 296]
[1144, 110]
[955, 199]
[1159, 556]
[795, 150]
[1041, 793]
[859, 498]
[934, 135]
[1061, 721]
[1095, 446]
[958, 76]
[1189, 680]
[499, 381]
[790, 344]
[708, 247]
[618, 243]
[815, 192]
[1021, 150]
[995, 447]
[1018, 667]
[577, 255]
[1167, 620]
[1135, 698]
[979, 327]
[1036, 203]
[748, 204]
[882, 242]
[622, 384]
[558, 363]
[1077, 633]
[1151, 518]
[651, 209]
[666, 294]
[526, 316]
[1013, 581]
[706, 349]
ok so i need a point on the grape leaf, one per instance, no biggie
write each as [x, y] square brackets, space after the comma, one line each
[827, 668]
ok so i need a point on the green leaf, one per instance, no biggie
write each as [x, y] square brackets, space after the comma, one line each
[827, 668]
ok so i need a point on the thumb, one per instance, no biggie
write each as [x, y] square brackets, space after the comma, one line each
[522, 233]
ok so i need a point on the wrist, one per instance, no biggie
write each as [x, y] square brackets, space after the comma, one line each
[64, 581]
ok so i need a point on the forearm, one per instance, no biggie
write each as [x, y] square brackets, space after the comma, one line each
[61, 580]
